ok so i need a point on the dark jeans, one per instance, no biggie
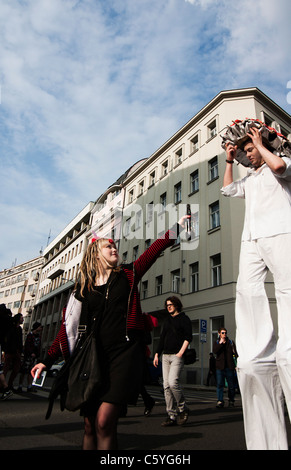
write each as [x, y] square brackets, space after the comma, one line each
[221, 376]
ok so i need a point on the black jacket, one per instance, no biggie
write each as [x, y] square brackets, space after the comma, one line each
[175, 331]
[224, 354]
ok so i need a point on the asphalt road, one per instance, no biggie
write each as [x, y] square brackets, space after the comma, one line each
[23, 425]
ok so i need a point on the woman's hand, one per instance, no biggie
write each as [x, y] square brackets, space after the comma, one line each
[38, 367]
[183, 219]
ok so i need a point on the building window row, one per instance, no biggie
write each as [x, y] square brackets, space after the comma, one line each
[213, 174]
[175, 279]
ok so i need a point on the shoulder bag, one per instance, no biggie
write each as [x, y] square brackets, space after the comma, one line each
[80, 376]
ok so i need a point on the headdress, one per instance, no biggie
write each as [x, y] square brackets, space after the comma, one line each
[236, 134]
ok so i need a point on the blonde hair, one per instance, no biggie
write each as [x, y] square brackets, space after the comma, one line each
[93, 265]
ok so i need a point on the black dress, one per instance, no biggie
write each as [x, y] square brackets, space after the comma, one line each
[121, 358]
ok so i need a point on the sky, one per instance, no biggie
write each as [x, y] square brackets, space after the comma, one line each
[89, 87]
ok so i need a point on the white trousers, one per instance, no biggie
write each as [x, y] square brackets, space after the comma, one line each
[264, 363]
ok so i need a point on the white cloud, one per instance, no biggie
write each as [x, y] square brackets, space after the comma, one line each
[88, 88]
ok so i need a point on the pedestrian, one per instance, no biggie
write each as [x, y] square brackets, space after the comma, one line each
[264, 363]
[120, 332]
[13, 349]
[174, 340]
[225, 351]
[212, 369]
[32, 349]
[6, 392]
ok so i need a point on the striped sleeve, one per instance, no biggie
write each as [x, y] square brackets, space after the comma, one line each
[58, 348]
[147, 259]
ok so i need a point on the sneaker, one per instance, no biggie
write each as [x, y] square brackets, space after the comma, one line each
[169, 422]
[231, 403]
[220, 404]
[183, 417]
[6, 394]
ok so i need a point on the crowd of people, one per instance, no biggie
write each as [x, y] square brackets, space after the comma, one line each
[257, 364]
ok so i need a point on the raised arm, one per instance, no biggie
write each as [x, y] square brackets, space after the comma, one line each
[230, 156]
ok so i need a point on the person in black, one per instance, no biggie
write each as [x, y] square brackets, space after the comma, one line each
[212, 369]
[13, 349]
[174, 340]
[225, 351]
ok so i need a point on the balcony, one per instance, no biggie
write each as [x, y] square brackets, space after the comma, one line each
[57, 271]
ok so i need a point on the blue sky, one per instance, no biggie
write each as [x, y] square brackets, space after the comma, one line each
[89, 87]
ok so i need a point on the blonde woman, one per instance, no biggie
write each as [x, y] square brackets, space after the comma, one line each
[109, 291]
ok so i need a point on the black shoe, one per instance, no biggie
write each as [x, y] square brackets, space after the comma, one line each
[220, 404]
[169, 422]
[183, 417]
[148, 409]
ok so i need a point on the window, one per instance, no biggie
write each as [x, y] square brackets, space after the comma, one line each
[124, 257]
[194, 277]
[216, 270]
[20, 289]
[178, 157]
[130, 196]
[147, 244]
[194, 144]
[194, 182]
[212, 129]
[159, 285]
[213, 169]
[127, 227]
[196, 336]
[176, 281]
[138, 220]
[150, 211]
[135, 253]
[178, 193]
[163, 201]
[165, 168]
[144, 289]
[141, 188]
[214, 215]
[152, 178]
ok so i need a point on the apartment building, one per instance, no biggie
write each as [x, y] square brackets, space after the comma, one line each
[19, 287]
[62, 258]
[188, 169]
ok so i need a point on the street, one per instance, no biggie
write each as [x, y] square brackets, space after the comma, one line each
[23, 425]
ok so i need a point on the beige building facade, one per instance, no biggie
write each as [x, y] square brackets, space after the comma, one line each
[19, 288]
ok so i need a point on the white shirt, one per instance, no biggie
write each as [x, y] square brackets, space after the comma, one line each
[268, 201]
[72, 319]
